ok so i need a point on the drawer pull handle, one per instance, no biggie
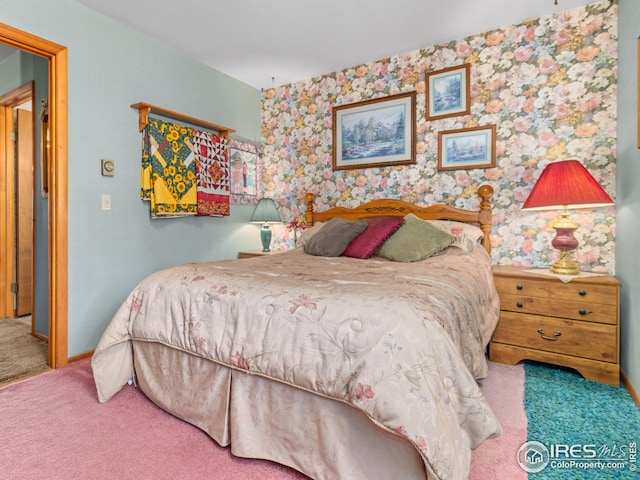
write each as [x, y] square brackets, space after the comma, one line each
[519, 305]
[582, 293]
[552, 339]
[582, 311]
[519, 287]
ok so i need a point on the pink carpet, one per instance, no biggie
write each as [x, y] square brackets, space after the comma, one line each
[496, 457]
[52, 427]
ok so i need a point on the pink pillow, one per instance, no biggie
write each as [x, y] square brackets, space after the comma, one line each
[377, 231]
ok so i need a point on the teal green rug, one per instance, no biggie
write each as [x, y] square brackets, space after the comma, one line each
[578, 429]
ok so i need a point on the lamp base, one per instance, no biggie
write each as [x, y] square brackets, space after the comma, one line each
[565, 242]
[265, 237]
[565, 265]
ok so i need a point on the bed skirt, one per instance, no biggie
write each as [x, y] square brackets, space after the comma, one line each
[262, 418]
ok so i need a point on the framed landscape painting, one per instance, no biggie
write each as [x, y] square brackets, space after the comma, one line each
[375, 133]
[448, 92]
[467, 148]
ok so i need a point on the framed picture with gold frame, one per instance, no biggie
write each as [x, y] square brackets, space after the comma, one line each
[375, 133]
[448, 92]
[467, 148]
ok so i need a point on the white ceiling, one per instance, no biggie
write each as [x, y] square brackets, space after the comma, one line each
[256, 41]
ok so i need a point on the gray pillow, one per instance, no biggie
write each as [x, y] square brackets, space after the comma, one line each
[415, 240]
[334, 237]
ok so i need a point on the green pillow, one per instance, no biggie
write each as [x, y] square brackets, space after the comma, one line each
[415, 240]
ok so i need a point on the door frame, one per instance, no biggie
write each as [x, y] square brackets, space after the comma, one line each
[58, 185]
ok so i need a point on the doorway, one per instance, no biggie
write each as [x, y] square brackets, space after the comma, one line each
[56, 171]
[17, 135]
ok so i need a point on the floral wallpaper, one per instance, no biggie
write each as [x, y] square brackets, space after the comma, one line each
[548, 84]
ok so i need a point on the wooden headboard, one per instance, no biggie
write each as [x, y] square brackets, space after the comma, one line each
[397, 208]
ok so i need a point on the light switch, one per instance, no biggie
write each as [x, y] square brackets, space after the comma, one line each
[108, 168]
[106, 202]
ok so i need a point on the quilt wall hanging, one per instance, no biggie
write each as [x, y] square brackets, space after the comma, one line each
[185, 171]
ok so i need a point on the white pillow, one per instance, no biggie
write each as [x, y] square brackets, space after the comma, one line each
[308, 233]
[466, 235]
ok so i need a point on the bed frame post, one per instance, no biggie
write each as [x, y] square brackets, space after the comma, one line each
[484, 216]
[308, 216]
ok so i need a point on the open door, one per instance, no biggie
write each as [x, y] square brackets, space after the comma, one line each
[24, 140]
[7, 225]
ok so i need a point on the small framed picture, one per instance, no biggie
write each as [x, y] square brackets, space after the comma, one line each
[467, 148]
[375, 133]
[244, 172]
[448, 92]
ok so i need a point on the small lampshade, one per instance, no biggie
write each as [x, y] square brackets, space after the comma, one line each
[566, 183]
[265, 213]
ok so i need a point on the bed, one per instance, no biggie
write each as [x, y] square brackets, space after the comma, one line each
[337, 366]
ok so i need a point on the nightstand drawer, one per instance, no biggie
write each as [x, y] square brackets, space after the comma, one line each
[587, 312]
[605, 294]
[522, 286]
[522, 304]
[581, 339]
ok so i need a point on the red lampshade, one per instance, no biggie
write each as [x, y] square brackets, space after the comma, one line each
[566, 183]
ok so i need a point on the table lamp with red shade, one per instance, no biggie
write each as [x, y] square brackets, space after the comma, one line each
[566, 184]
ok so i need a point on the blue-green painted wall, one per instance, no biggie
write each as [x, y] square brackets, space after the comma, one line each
[10, 73]
[628, 188]
[110, 68]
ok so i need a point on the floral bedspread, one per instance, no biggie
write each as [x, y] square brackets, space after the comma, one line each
[400, 341]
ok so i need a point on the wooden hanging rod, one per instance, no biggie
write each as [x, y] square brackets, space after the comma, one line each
[145, 109]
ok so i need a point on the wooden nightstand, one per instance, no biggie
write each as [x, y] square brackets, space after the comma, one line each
[254, 253]
[574, 324]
